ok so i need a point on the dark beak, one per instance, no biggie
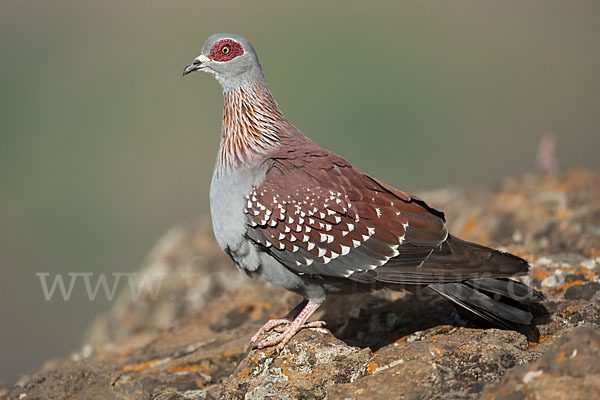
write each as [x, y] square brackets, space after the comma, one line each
[195, 66]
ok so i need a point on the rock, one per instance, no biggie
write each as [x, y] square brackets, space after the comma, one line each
[304, 369]
[189, 339]
[568, 369]
[87, 380]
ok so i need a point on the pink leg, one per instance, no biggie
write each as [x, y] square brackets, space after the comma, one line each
[299, 322]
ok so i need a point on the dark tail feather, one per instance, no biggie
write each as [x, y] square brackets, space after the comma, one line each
[508, 288]
[502, 302]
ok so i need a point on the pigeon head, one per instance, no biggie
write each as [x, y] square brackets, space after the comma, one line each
[230, 58]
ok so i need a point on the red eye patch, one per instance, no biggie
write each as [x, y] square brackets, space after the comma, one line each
[225, 50]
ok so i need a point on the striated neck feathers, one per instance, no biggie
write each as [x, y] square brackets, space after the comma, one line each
[252, 125]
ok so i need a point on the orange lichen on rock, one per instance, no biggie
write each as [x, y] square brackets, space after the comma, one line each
[141, 366]
[592, 253]
[125, 352]
[541, 339]
[186, 368]
[402, 339]
[285, 366]
[371, 368]
[571, 308]
[539, 274]
[560, 289]
[437, 350]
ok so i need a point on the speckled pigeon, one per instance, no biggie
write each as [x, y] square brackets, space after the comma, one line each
[306, 220]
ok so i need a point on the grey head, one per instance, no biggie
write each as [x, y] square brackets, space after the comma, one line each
[230, 58]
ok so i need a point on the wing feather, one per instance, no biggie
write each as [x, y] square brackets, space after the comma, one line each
[317, 214]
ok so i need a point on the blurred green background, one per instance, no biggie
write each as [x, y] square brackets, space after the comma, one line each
[104, 145]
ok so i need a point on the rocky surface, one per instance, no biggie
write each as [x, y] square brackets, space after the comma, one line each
[569, 369]
[189, 339]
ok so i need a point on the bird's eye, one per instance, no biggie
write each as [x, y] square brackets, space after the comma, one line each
[225, 50]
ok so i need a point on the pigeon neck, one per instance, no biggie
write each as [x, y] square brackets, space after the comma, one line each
[251, 127]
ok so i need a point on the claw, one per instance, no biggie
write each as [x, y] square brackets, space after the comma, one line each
[296, 320]
[274, 323]
[280, 328]
[287, 334]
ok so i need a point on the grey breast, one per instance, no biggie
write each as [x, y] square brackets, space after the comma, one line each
[228, 198]
[228, 191]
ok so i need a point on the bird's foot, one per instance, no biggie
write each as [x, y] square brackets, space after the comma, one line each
[271, 324]
[287, 333]
[295, 321]
[314, 324]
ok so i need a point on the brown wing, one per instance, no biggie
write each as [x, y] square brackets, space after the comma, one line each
[318, 215]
